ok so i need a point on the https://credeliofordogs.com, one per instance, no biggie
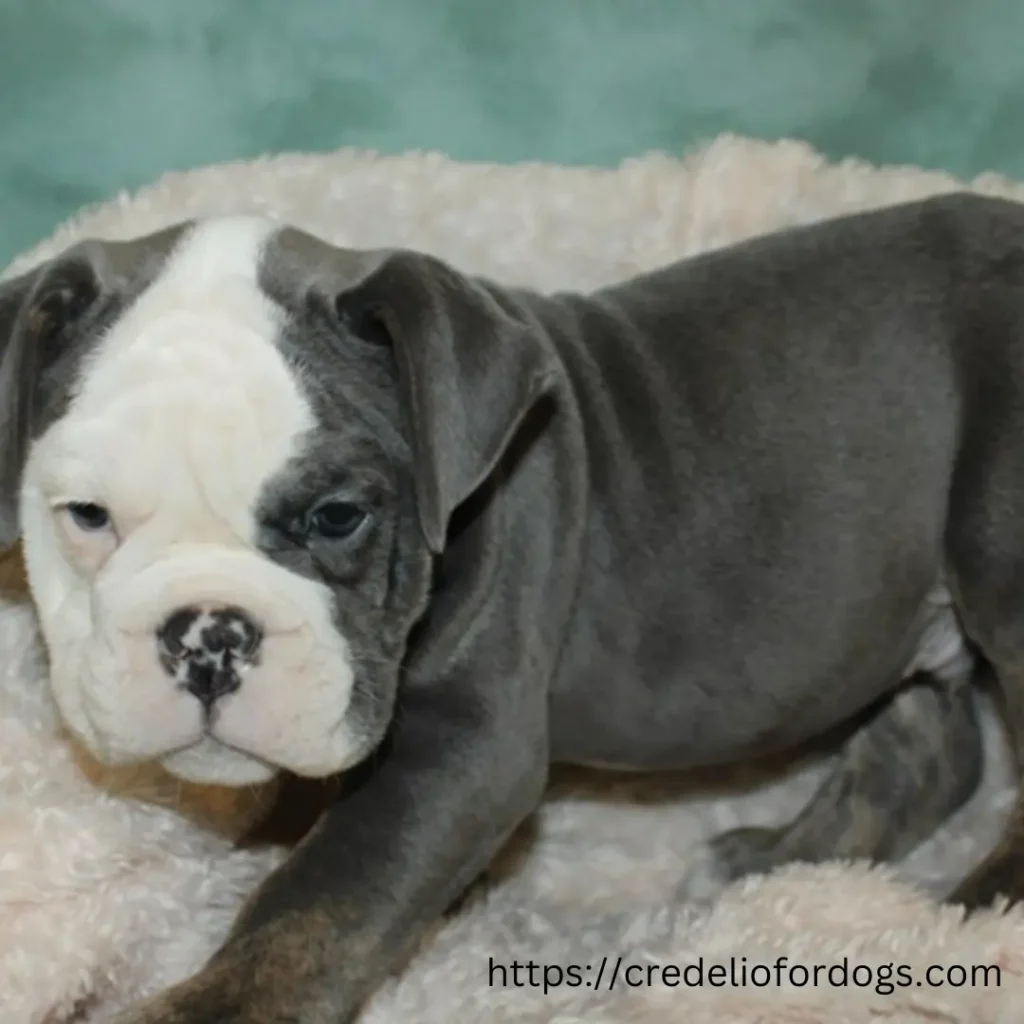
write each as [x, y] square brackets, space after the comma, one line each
[614, 972]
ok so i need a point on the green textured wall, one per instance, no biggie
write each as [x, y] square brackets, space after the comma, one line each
[97, 95]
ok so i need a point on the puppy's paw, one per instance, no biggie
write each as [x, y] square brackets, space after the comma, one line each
[716, 865]
[224, 995]
[290, 971]
[185, 1006]
[996, 882]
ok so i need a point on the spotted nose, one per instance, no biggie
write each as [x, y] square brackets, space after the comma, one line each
[203, 649]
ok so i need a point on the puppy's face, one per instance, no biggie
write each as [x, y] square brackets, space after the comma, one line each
[216, 508]
[232, 451]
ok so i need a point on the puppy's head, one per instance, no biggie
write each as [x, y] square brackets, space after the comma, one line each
[232, 452]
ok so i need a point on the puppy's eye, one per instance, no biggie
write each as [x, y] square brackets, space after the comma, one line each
[337, 520]
[88, 516]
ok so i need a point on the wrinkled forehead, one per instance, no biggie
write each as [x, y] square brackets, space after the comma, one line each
[182, 394]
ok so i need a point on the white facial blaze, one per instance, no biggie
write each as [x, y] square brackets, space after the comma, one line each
[184, 412]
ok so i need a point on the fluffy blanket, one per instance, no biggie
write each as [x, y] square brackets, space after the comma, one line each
[115, 883]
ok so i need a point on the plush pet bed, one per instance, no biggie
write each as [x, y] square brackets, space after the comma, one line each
[115, 883]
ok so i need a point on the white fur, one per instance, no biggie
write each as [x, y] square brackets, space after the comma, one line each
[185, 411]
[103, 898]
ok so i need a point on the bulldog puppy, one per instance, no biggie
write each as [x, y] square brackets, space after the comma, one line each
[290, 508]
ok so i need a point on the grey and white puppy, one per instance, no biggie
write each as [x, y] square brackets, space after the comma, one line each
[288, 507]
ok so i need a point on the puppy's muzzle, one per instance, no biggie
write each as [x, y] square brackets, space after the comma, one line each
[205, 649]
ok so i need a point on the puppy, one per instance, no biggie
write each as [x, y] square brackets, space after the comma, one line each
[287, 507]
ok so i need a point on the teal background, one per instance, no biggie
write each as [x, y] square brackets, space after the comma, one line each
[98, 95]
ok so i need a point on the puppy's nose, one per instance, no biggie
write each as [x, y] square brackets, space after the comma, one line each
[202, 649]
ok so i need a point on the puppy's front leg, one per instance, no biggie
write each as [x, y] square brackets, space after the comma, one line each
[461, 771]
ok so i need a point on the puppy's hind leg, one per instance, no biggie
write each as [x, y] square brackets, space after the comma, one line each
[896, 781]
[1001, 874]
[985, 552]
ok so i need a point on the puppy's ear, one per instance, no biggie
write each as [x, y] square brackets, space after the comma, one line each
[37, 312]
[471, 362]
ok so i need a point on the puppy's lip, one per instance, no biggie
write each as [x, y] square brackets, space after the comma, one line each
[254, 755]
[207, 733]
[211, 733]
[116, 755]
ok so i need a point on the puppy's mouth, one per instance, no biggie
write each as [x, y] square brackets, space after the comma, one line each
[208, 761]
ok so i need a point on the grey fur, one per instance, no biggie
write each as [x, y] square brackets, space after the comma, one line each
[689, 519]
